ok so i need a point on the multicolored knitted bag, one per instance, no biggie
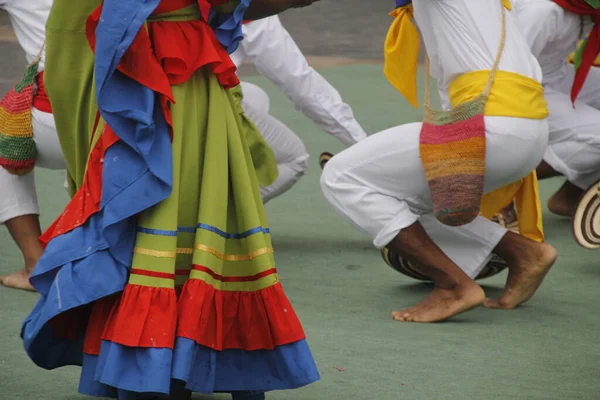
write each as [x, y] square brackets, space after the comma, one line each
[452, 148]
[17, 147]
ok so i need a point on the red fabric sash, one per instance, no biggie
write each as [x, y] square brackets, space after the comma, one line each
[592, 48]
[40, 100]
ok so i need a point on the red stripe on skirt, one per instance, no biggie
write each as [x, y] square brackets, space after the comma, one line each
[222, 278]
[152, 274]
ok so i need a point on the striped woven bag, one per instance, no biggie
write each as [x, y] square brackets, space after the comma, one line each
[452, 149]
[17, 147]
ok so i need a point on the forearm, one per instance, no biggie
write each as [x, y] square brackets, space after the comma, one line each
[265, 8]
[270, 47]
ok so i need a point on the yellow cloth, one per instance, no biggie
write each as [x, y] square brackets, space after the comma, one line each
[527, 199]
[512, 95]
[401, 52]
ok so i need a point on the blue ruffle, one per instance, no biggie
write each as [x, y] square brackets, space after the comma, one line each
[122, 372]
[228, 27]
[92, 261]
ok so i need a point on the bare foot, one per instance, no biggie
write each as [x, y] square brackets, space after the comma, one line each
[442, 304]
[565, 200]
[525, 275]
[18, 280]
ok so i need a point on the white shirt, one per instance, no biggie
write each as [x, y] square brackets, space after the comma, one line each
[28, 18]
[463, 36]
[552, 33]
[270, 47]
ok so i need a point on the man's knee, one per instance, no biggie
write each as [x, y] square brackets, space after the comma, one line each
[329, 176]
[256, 98]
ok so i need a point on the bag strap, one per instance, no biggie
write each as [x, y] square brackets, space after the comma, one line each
[490, 83]
[30, 72]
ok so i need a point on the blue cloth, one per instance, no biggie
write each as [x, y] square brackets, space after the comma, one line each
[402, 3]
[228, 27]
[201, 369]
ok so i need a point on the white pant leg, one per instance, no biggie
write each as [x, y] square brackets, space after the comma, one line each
[469, 246]
[17, 196]
[574, 148]
[17, 193]
[49, 152]
[379, 184]
[290, 153]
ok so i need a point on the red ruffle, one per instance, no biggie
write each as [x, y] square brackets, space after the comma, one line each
[150, 317]
[172, 42]
[170, 52]
[87, 199]
[101, 311]
[142, 317]
[250, 321]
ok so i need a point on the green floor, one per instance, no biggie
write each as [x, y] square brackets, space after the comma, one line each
[344, 294]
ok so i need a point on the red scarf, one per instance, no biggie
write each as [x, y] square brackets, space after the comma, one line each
[591, 47]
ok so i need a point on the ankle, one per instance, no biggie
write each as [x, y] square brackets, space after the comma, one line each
[30, 263]
[451, 284]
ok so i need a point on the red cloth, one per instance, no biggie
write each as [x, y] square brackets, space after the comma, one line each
[40, 99]
[592, 49]
[87, 199]
[153, 317]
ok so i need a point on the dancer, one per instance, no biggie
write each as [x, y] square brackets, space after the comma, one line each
[380, 184]
[272, 50]
[552, 29]
[19, 209]
[159, 277]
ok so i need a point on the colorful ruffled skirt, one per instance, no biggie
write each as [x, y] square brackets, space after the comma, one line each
[161, 268]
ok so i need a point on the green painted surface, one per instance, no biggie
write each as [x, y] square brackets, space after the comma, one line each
[344, 293]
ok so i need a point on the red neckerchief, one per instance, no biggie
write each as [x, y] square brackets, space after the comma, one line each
[592, 45]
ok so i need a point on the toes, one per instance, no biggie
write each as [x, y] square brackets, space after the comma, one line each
[501, 303]
[400, 316]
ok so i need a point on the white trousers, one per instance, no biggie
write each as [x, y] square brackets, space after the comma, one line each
[17, 193]
[574, 148]
[290, 152]
[379, 185]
